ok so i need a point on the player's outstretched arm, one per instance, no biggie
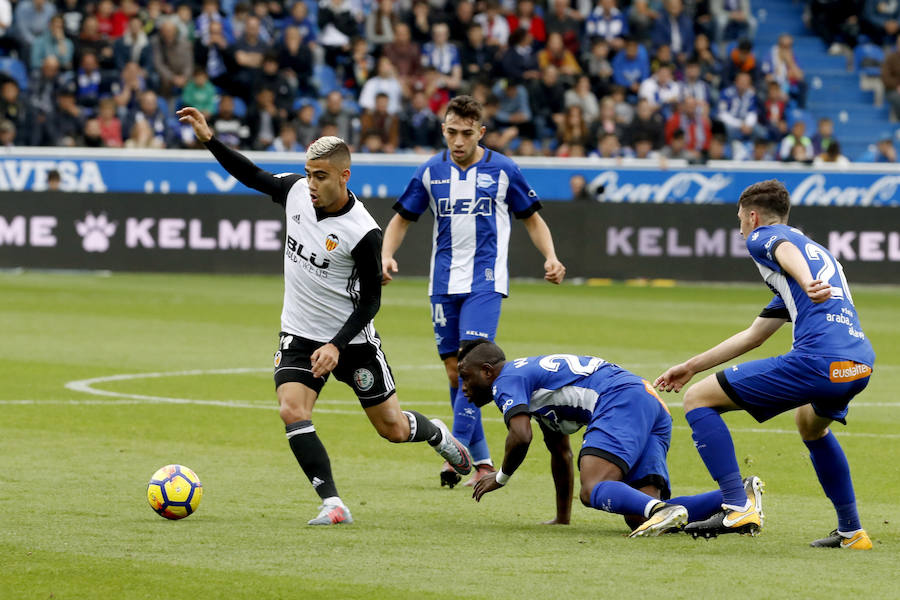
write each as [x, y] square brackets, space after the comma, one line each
[539, 232]
[394, 234]
[563, 474]
[791, 260]
[517, 441]
[676, 377]
[235, 163]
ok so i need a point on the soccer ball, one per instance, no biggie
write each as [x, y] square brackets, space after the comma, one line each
[174, 492]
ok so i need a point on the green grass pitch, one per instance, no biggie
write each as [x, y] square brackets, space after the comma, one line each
[75, 463]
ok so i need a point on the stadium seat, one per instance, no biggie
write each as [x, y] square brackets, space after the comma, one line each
[867, 59]
[240, 107]
[304, 101]
[15, 68]
[325, 79]
[164, 105]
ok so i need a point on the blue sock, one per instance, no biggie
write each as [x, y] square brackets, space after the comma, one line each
[713, 442]
[478, 446]
[831, 466]
[618, 497]
[701, 506]
[453, 392]
[465, 416]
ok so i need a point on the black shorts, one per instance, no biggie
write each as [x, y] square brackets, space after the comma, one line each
[361, 366]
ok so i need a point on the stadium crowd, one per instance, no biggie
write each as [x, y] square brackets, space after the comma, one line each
[610, 78]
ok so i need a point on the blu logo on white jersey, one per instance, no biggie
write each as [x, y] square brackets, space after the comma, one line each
[472, 223]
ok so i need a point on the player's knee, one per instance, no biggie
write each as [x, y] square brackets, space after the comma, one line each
[585, 495]
[693, 398]
[291, 414]
[393, 432]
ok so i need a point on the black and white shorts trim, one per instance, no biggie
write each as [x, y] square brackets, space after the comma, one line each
[363, 367]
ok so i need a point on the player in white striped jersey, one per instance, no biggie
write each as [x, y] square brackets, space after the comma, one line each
[471, 191]
[332, 291]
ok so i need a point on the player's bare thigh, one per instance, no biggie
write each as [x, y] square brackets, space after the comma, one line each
[451, 365]
[810, 425]
[389, 420]
[295, 402]
[709, 393]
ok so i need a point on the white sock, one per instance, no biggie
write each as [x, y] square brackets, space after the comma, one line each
[848, 534]
[333, 501]
[650, 506]
[746, 506]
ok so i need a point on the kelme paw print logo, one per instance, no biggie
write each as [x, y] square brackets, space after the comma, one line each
[95, 232]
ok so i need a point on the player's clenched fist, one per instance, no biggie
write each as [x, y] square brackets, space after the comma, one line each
[195, 118]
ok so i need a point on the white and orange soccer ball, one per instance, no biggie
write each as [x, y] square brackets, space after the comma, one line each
[174, 492]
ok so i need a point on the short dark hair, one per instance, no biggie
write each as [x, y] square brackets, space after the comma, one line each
[479, 352]
[466, 107]
[768, 196]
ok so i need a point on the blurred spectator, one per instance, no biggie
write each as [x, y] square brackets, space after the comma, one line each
[209, 14]
[574, 128]
[890, 76]
[607, 22]
[300, 19]
[385, 82]
[608, 146]
[775, 116]
[607, 122]
[558, 55]
[741, 60]
[718, 148]
[643, 148]
[91, 137]
[284, 87]
[693, 85]
[882, 152]
[127, 89]
[519, 61]
[68, 124]
[263, 120]
[53, 42]
[14, 110]
[92, 40]
[339, 23]
[54, 181]
[762, 150]
[598, 68]
[514, 107]
[476, 56]
[563, 20]
[624, 110]
[663, 57]
[582, 95]
[184, 22]
[578, 185]
[548, 103]
[380, 24]
[7, 133]
[675, 29]
[495, 25]
[379, 122]
[296, 61]
[832, 156]
[497, 137]
[420, 128]
[345, 122]
[661, 91]
[231, 129]
[733, 19]
[141, 135]
[824, 135]
[360, 68]
[109, 124]
[150, 112]
[738, 108]
[286, 141]
[173, 59]
[881, 20]
[133, 46]
[111, 22]
[42, 92]
[642, 19]
[710, 67]
[631, 67]
[89, 81]
[797, 137]
[73, 14]
[419, 22]
[9, 43]
[836, 22]
[31, 19]
[213, 54]
[646, 124]
[677, 148]
[782, 67]
[405, 56]
[262, 12]
[306, 125]
[249, 50]
[463, 18]
[525, 18]
[695, 127]
[443, 56]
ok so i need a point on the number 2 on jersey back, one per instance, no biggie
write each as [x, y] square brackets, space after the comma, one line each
[551, 363]
[830, 266]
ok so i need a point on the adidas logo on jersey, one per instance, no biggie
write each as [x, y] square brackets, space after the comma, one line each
[296, 218]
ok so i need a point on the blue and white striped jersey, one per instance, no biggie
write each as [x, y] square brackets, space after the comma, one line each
[471, 209]
[831, 328]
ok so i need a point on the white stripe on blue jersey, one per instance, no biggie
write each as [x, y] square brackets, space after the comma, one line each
[472, 225]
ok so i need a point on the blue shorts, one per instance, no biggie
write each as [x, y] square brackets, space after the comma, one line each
[632, 428]
[459, 317]
[770, 386]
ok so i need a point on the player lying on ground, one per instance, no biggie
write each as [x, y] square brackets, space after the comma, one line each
[830, 362]
[623, 457]
[332, 291]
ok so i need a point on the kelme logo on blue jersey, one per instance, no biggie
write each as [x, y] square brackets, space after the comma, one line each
[484, 180]
[465, 206]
